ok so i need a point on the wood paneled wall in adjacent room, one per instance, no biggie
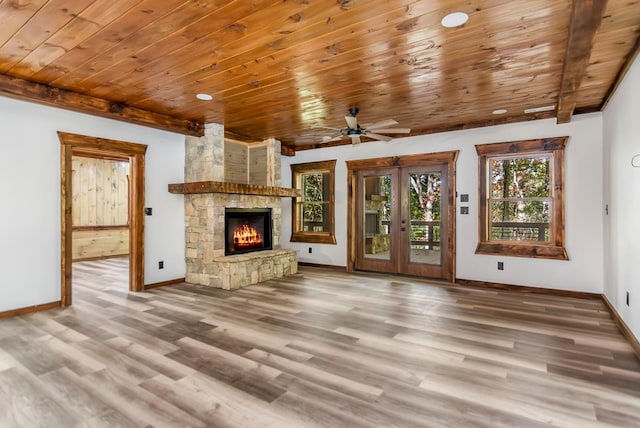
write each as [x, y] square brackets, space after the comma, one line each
[100, 207]
[100, 192]
[100, 243]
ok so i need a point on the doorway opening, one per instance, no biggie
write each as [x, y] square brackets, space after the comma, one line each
[402, 215]
[100, 212]
[74, 145]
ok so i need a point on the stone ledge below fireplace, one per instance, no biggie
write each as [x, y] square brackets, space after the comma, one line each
[233, 272]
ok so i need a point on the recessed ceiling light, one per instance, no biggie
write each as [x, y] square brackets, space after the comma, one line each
[454, 19]
[204, 97]
[500, 111]
[539, 109]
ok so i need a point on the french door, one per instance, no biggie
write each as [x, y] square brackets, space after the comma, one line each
[402, 217]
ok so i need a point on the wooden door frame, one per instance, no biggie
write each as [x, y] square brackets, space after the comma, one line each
[82, 145]
[446, 158]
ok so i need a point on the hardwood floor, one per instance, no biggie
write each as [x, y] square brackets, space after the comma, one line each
[320, 348]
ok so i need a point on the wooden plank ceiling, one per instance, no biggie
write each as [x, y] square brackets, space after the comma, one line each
[284, 68]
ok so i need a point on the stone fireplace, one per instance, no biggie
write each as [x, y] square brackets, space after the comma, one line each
[215, 186]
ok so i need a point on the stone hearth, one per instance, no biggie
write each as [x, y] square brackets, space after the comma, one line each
[204, 216]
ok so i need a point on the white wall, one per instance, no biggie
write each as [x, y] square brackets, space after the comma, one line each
[583, 203]
[621, 126]
[30, 198]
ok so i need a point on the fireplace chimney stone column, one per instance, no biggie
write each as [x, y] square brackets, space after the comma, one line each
[204, 161]
[204, 156]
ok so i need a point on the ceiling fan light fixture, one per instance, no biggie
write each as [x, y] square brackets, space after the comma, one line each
[204, 97]
[500, 111]
[454, 19]
[374, 131]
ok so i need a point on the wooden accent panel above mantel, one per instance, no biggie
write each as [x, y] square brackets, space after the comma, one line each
[236, 188]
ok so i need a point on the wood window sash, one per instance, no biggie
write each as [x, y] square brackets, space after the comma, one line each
[554, 249]
[325, 237]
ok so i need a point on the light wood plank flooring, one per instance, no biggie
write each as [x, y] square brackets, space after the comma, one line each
[320, 348]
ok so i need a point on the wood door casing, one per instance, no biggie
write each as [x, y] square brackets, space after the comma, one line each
[81, 145]
[354, 224]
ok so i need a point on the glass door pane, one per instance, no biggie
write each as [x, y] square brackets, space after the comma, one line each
[377, 217]
[424, 206]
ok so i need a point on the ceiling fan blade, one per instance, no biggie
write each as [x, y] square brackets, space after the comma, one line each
[325, 127]
[378, 137]
[355, 139]
[393, 130]
[352, 122]
[381, 124]
[328, 138]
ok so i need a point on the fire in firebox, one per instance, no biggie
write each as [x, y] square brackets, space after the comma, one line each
[247, 230]
[246, 237]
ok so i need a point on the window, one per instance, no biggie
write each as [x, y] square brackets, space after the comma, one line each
[313, 212]
[521, 198]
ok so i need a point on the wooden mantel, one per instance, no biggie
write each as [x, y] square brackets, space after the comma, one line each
[236, 188]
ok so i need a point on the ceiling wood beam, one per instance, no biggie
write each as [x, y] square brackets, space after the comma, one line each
[48, 95]
[586, 16]
[287, 150]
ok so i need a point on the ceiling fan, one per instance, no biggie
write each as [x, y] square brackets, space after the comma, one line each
[354, 130]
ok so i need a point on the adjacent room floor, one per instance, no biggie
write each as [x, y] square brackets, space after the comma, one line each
[320, 348]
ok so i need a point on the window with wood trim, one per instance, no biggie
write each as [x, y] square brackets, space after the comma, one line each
[313, 213]
[522, 198]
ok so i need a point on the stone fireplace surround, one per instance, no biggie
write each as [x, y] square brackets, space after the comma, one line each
[204, 218]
